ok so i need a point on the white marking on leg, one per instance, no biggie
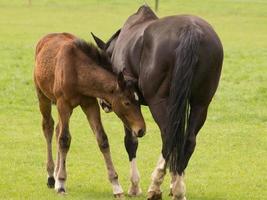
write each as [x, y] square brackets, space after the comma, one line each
[116, 187]
[59, 184]
[173, 178]
[135, 177]
[61, 176]
[55, 174]
[106, 109]
[136, 96]
[158, 175]
[134, 189]
[178, 189]
[112, 175]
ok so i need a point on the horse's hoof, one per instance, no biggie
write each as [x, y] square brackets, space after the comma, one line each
[154, 195]
[61, 191]
[119, 196]
[51, 182]
[134, 191]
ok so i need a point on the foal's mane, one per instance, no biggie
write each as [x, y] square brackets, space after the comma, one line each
[98, 56]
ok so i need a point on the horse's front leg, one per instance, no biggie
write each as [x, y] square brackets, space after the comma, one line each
[91, 109]
[131, 145]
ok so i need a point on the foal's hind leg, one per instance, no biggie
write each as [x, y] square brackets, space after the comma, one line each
[58, 156]
[48, 128]
[63, 144]
[91, 109]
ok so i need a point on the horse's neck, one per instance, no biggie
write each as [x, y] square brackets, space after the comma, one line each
[143, 14]
[131, 37]
[96, 82]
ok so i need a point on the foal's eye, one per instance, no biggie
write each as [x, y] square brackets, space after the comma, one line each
[127, 103]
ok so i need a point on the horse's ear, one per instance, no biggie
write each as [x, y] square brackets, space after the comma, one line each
[99, 42]
[121, 81]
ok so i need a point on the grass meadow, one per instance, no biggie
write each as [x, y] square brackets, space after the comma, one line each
[230, 161]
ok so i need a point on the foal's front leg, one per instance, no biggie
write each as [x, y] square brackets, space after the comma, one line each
[131, 145]
[91, 109]
[63, 144]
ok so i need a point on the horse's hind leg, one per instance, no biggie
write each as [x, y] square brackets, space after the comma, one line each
[91, 109]
[159, 114]
[63, 144]
[48, 129]
[177, 187]
[131, 144]
[197, 118]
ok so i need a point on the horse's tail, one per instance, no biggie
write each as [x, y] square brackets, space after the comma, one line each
[180, 91]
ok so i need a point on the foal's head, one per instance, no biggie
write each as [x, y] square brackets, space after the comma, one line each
[126, 105]
[124, 99]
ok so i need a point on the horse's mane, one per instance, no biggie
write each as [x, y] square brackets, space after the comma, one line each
[99, 57]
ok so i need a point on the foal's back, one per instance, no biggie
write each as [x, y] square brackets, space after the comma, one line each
[47, 57]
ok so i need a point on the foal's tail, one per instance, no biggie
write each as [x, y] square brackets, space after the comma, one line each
[180, 91]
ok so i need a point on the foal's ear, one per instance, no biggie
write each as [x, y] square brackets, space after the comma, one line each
[99, 42]
[121, 81]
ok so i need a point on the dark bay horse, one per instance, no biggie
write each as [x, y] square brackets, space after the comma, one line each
[70, 72]
[175, 62]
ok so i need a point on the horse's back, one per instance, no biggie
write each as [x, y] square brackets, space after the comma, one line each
[165, 33]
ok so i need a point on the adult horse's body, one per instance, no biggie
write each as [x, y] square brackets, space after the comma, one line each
[176, 63]
[69, 72]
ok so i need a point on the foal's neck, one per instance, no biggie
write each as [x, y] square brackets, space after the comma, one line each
[96, 82]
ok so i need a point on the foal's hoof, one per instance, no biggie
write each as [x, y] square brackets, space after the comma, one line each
[119, 196]
[134, 191]
[61, 191]
[170, 194]
[178, 198]
[51, 182]
[154, 195]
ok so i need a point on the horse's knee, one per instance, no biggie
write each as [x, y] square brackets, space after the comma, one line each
[65, 140]
[48, 127]
[103, 142]
[191, 144]
[48, 123]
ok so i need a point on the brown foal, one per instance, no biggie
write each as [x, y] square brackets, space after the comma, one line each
[70, 72]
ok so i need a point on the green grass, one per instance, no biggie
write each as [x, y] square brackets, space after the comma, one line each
[231, 156]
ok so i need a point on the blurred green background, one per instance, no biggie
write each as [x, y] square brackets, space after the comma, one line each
[231, 155]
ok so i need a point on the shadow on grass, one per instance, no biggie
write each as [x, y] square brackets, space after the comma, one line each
[206, 197]
[96, 193]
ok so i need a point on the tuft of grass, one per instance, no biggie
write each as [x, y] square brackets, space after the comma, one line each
[230, 159]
